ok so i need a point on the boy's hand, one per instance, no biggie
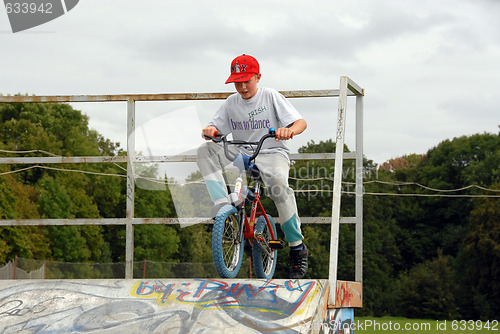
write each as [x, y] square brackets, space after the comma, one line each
[288, 132]
[284, 134]
[209, 131]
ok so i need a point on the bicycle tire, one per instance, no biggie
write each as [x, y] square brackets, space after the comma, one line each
[263, 264]
[227, 251]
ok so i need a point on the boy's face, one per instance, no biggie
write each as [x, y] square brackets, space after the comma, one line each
[249, 88]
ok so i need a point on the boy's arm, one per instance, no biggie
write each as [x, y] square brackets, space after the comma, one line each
[295, 128]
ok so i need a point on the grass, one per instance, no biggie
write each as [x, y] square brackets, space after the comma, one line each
[371, 325]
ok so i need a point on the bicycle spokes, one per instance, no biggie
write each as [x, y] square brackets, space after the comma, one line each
[230, 240]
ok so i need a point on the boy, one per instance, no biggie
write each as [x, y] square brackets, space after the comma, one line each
[248, 115]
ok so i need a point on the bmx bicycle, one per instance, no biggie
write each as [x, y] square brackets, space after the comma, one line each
[232, 226]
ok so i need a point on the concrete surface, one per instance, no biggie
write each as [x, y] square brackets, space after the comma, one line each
[164, 306]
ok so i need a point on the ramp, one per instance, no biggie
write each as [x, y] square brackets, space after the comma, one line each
[162, 306]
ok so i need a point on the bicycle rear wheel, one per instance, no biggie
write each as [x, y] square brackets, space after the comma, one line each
[264, 261]
[227, 250]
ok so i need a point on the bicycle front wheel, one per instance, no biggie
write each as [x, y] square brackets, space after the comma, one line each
[264, 259]
[227, 249]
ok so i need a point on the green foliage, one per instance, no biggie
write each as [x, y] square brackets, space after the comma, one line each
[195, 243]
[155, 242]
[457, 226]
[17, 202]
[429, 289]
[482, 259]
[381, 256]
[46, 193]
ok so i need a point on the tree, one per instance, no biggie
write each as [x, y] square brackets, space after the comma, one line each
[481, 266]
[17, 202]
[429, 289]
[405, 161]
[448, 224]
[59, 129]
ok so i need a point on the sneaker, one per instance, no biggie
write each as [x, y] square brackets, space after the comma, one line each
[298, 263]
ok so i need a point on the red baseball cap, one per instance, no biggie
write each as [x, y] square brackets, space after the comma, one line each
[243, 68]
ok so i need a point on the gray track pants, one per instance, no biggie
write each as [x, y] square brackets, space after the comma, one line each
[274, 170]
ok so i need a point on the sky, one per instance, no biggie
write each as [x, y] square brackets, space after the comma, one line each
[430, 69]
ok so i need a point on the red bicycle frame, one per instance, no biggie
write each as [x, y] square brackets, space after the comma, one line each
[249, 225]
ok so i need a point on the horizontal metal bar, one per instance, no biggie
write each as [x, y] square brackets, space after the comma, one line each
[324, 220]
[158, 97]
[192, 158]
[321, 156]
[313, 93]
[145, 221]
[99, 221]
[63, 222]
[156, 158]
[166, 158]
[348, 220]
[115, 98]
[355, 88]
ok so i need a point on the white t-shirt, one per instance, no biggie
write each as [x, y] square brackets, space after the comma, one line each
[250, 119]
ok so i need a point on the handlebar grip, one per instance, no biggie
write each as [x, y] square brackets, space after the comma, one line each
[217, 137]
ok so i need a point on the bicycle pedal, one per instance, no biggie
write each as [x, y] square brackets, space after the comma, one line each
[276, 244]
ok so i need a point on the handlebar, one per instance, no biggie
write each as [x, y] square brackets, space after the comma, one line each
[218, 137]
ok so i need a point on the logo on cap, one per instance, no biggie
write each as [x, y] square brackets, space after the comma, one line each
[237, 68]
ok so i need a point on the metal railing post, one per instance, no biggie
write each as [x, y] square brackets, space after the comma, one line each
[337, 192]
[129, 241]
[359, 190]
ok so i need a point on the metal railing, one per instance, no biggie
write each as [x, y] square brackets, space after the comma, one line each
[347, 88]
